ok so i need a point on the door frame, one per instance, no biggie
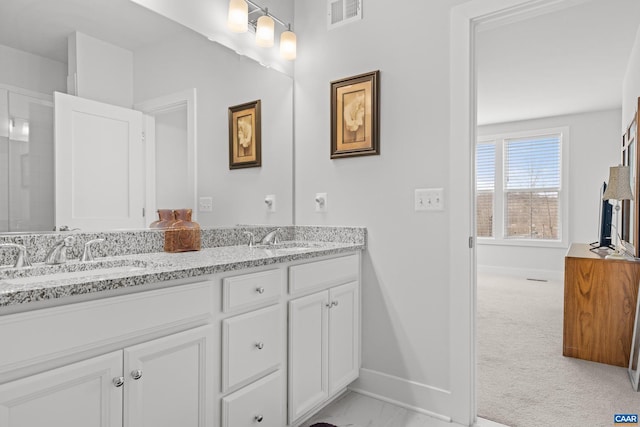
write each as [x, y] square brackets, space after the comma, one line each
[466, 19]
[164, 104]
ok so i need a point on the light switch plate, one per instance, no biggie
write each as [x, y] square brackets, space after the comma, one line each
[205, 204]
[429, 199]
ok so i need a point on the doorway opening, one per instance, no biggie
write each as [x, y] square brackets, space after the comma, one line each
[467, 22]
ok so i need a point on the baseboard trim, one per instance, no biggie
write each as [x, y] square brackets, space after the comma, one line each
[522, 272]
[421, 398]
[482, 422]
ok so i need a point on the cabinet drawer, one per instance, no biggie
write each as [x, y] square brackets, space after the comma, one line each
[251, 290]
[260, 402]
[324, 273]
[252, 345]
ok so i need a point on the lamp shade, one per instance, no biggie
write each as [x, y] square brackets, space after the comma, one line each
[238, 18]
[288, 45]
[619, 185]
[264, 31]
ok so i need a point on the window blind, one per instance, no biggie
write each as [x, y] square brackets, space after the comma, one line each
[485, 187]
[532, 187]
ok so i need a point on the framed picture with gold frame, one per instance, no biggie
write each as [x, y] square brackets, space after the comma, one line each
[244, 136]
[355, 116]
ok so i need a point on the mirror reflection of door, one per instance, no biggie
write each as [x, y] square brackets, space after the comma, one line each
[99, 164]
[26, 161]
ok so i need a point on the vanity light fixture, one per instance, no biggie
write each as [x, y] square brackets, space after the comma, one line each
[239, 20]
[265, 29]
[288, 44]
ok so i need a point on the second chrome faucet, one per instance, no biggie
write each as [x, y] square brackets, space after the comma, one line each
[58, 252]
[271, 238]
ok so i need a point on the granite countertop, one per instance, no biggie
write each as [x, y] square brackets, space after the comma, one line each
[44, 282]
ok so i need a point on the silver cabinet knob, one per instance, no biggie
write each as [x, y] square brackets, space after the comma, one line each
[328, 305]
[136, 374]
[260, 290]
[259, 345]
[259, 418]
[118, 381]
[334, 304]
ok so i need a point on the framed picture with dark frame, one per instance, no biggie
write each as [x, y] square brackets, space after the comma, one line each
[244, 136]
[355, 116]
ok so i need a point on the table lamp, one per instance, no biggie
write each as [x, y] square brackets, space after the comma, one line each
[618, 188]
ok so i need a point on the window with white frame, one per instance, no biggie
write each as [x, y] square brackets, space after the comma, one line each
[519, 188]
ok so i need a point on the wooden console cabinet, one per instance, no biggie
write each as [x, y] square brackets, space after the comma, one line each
[599, 306]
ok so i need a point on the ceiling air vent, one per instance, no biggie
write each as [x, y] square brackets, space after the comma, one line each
[340, 12]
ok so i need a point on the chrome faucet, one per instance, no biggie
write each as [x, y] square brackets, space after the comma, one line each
[87, 255]
[22, 260]
[252, 238]
[58, 252]
[272, 237]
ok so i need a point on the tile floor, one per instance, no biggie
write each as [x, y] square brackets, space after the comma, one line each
[357, 410]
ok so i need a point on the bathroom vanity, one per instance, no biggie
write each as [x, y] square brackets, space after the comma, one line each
[228, 336]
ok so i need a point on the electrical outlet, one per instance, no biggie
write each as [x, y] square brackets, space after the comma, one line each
[205, 204]
[429, 199]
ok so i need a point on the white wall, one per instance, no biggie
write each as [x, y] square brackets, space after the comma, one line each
[223, 79]
[406, 329]
[594, 146]
[32, 72]
[631, 85]
[100, 71]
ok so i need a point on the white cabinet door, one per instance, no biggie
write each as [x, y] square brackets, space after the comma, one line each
[99, 165]
[169, 381]
[79, 395]
[344, 336]
[308, 353]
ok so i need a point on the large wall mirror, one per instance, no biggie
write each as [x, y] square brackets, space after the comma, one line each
[168, 59]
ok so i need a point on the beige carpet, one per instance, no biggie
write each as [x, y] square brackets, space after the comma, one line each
[523, 379]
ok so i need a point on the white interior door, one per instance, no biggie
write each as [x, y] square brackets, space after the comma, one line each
[99, 164]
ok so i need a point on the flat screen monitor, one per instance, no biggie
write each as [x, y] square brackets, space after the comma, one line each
[604, 222]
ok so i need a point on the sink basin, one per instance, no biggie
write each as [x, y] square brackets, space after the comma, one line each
[72, 270]
[286, 248]
[98, 273]
[292, 249]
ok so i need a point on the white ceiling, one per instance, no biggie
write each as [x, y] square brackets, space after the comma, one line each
[42, 26]
[568, 61]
